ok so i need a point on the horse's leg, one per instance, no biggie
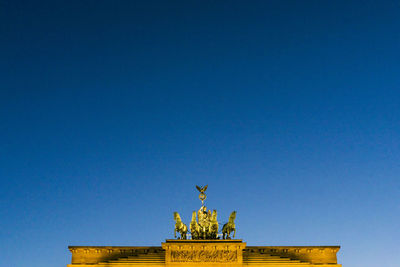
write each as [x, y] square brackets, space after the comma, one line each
[234, 232]
[175, 232]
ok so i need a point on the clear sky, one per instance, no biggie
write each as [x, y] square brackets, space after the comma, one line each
[112, 111]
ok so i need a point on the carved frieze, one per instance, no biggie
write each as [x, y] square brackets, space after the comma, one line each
[198, 253]
[204, 256]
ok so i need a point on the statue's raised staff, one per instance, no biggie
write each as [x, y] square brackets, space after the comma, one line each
[229, 227]
[202, 195]
[180, 227]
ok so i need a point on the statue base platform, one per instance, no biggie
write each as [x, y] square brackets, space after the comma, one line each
[180, 253]
[204, 253]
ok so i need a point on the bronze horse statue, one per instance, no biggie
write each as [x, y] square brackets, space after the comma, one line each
[229, 227]
[194, 227]
[180, 227]
[213, 227]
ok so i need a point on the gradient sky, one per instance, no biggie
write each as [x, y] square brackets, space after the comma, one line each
[112, 111]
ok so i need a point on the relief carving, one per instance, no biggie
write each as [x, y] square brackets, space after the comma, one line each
[204, 256]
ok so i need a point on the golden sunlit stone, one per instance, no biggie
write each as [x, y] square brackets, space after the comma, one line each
[204, 253]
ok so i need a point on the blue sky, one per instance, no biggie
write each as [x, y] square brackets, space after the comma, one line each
[112, 111]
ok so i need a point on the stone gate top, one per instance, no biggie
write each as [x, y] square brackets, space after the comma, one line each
[199, 252]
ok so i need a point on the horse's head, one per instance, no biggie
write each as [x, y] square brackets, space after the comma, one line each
[176, 216]
[214, 215]
[233, 216]
[193, 216]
